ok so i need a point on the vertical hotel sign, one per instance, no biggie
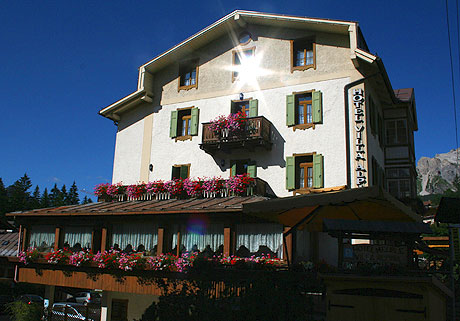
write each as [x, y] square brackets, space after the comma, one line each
[360, 141]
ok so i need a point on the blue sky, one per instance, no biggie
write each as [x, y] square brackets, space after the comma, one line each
[62, 61]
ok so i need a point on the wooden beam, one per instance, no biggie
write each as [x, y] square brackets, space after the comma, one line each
[288, 245]
[178, 243]
[57, 237]
[160, 244]
[103, 239]
[24, 238]
[227, 241]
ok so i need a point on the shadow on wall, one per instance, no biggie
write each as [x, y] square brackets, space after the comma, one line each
[263, 158]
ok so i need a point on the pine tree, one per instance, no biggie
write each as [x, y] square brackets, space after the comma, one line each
[56, 198]
[64, 196]
[87, 200]
[18, 194]
[35, 199]
[4, 203]
[73, 197]
[45, 199]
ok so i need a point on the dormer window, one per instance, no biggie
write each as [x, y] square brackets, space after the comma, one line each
[188, 75]
[240, 58]
[303, 54]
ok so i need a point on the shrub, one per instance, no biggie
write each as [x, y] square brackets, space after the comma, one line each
[21, 311]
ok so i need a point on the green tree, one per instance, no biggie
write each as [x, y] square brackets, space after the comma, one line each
[73, 197]
[4, 203]
[35, 199]
[56, 198]
[87, 200]
[64, 196]
[18, 194]
[45, 199]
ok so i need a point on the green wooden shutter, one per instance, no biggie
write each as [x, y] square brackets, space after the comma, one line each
[194, 122]
[184, 172]
[253, 108]
[290, 110]
[317, 106]
[233, 170]
[173, 124]
[252, 170]
[318, 179]
[290, 172]
[173, 172]
[232, 107]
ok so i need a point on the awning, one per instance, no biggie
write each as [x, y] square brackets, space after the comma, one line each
[378, 227]
[362, 204]
[448, 211]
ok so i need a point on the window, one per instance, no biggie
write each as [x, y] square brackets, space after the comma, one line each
[240, 57]
[304, 110]
[184, 123]
[396, 132]
[180, 171]
[188, 75]
[378, 175]
[399, 182]
[303, 54]
[244, 38]
[248, 106]
[241, 167]
[304, 172]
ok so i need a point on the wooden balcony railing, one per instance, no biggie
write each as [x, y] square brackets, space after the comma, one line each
[257, 132]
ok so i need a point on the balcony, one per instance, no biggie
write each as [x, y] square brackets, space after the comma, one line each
[257, 133]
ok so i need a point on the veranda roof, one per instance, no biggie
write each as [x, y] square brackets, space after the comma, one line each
[366, 204]
[172, 206]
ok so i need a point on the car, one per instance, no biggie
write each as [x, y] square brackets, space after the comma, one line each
[88, 297]
[31, 298]
[72, 312]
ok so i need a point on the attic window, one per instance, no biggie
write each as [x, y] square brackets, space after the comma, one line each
[303, 54]
[188, 75]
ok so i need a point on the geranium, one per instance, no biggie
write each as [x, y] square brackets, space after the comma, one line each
[107, 259]
[239, 184]
[162, 262]
[128, 262]
[175, 187]
[114, 190]
[81, 258]
[193, 188]
[58, 257]
[101, 189]
[135, 191]
[213, 185]
[29, 256]
[233, 123]
[156, 187]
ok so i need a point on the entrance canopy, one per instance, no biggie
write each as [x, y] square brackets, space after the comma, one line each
[309, 211]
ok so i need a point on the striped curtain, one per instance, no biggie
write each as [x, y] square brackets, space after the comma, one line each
[42, 237]
[135, 234]
[197, 237]
[254, 235]
[78, 234]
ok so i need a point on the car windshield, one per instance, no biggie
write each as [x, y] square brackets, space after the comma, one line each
[34, 298]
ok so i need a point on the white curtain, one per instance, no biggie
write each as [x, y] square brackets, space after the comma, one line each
[254, 235]
[199, 235]
[135, 234]
[78, 234]
[42, 237]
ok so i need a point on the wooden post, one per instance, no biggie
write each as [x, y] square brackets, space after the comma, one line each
[24, 238]
[288, 245]
[103, 239]
[233, 248]
[161, 235]
[227, 241]
[57, 237]
[178, 243]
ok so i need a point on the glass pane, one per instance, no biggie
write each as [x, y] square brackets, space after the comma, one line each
[237, 59]
[309, 114]
[300, 58]
[193, 80]
[188, 126]
[248, 53]
[300, 119]
[301, 177]
[187, 79]
[309, 59]
[184, 124]
[401, 131]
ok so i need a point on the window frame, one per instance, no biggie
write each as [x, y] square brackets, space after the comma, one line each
[397, 143]
[304, 125]
[305, 67]
[186, 67]
[238, 101]
[241, 162]
[179, 123]
[238, 53]
[180, 166]
[303, 190]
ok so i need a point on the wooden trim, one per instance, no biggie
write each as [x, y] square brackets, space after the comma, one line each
[303, 92]
[185, 108]
[188, 165]
[241, 100]
[178, 244]
[227, 241]
[183, 138]
[235, 52]
[103, 239]
[304, 154]
[57, 237]
[161, 235]
[303, 126]
[288, 245]
[25, 242]
[318, 190]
